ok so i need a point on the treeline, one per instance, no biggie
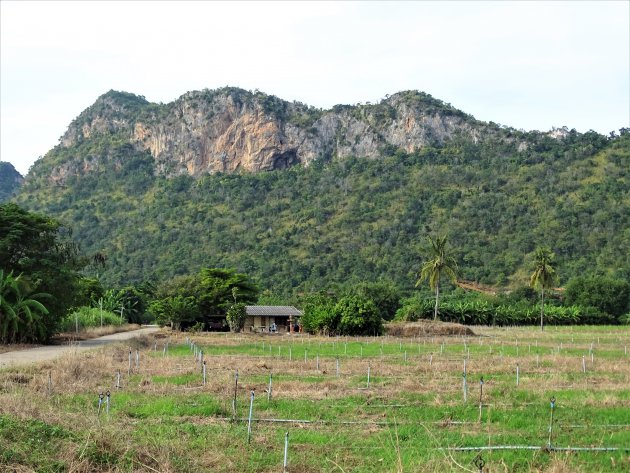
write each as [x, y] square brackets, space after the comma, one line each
[45, 286]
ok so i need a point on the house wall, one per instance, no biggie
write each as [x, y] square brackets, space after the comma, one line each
[282, 323]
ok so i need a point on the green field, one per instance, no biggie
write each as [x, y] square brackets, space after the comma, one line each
[410, 416]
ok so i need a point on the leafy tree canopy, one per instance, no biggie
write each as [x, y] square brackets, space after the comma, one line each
[41, 250]
[609, 295]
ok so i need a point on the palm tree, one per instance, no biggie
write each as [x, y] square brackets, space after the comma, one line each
[433, 269]
[543, 276]
[20, 312]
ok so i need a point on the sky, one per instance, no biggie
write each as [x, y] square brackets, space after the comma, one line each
[529, 65]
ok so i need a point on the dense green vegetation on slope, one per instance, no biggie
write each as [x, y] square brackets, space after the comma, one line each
[353, 220]
[10, 180]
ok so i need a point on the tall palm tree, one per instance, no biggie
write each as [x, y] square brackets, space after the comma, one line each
[432, 270]
[543, 277]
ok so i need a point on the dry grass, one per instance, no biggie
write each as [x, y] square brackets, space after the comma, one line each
[16, 347]
[78, 378]
[93, 332]
[426, 328]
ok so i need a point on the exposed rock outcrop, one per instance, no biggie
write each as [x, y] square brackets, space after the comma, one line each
[232, 130]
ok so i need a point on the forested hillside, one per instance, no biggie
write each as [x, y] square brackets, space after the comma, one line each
[10, 180]
[342, 220]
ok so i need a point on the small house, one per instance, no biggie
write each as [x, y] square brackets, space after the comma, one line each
[261, 318]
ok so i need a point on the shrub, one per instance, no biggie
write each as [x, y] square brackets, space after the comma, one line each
[415, 308]
[319, 314]
[358, 316]
[611, 296]
[88, 317]
[236, 316]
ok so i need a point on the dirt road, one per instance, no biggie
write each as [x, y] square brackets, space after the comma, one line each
[35, 355]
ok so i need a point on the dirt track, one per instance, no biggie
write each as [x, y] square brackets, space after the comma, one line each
[36, 355]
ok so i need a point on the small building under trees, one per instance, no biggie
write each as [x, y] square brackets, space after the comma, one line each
[260, 318]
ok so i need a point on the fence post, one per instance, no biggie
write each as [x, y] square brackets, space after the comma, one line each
[465, 386]
[480, 397]
[249, 423]
[286, 451]
[553, 405]
[270, 387]
[235, 390]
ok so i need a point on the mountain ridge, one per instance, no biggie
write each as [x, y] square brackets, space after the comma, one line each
[233, 130]
[297, 223]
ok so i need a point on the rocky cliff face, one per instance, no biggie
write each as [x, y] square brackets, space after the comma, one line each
[231, 130]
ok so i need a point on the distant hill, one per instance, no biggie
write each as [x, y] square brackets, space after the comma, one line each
[303, 198]
[10, 180]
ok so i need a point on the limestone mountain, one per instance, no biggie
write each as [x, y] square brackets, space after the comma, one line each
[303, 198]
[232, 130]
[10, 180]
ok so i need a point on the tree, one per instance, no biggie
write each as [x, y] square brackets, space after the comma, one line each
[608, 295]
[175, 310]
[319, 313]
[217, 289]
[236, 315]
[20, 311]
[42, 252]
[384, 294]
[543, 277]
[432, 270]
[358, 316]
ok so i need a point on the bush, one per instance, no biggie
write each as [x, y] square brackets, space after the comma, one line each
[611, 296]
[384, 294]
[236, 316]
[88, 317]
[319, 314]
[358, 316]
[414, 309]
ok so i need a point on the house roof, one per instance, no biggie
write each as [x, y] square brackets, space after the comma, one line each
[273, 310]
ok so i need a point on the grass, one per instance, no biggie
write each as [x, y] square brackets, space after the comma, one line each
[165, 419]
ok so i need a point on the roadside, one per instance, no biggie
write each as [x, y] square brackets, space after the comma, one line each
[65, 338]
[50, 352]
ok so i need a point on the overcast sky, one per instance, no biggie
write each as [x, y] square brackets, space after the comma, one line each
[530, 65]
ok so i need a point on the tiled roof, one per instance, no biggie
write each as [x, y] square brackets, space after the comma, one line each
[273, 310]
